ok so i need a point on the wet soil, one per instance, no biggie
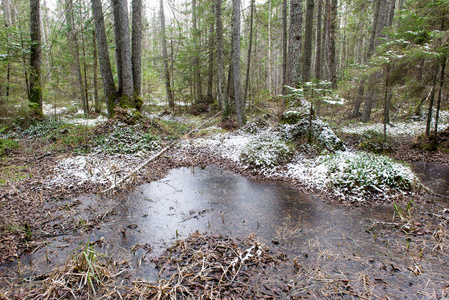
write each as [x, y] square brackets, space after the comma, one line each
[329, 254]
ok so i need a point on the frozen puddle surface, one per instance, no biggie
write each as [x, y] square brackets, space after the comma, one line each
[341, 243]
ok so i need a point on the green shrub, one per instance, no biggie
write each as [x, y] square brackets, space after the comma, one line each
[6, 145]
[127, 140]
[267, 153]
[366, 173]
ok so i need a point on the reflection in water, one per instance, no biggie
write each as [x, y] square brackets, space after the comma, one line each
[434, 176]
[217, 201]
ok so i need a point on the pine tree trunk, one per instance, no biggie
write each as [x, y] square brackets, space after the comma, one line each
[307, 51]
[103, 57]
[86, 86]
[437, 115]
[269, 75]
[171, 101]
[240, 109]
[35, 59]
[136, 59]
[294, 45]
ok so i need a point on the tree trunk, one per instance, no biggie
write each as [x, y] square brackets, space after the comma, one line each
[248, 65]
[326, 38]
[284, 46]
[136, 59]
[103, 57]
[431, 98]
[95, 62]
[122, 42]
[318, 66]
[332, 44]
[35, 59]
[86, 86]
[73, 44]
[294, 45]
[171, 100]
[240, 109]
[6, 5]
[443, 66]
[269, 75]
[387, 100]
[210, 79]
[220, 60]
[307, 51]
[196, 61]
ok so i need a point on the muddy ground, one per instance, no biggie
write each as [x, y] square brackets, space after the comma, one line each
[31, 214]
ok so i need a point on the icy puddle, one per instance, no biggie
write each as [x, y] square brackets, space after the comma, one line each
[327, 240]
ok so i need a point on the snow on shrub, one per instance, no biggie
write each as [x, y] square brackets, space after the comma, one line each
[322, 134]
[267, 153]
[127, 140]
[364, 173]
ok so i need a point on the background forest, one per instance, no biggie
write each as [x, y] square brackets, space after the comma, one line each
[364, 55]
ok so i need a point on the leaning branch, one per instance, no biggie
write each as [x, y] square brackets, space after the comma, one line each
[134, 171]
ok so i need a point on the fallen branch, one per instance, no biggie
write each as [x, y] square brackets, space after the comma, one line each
[264, 111]
[130, 174]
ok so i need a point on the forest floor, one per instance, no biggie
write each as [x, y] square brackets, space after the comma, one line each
[35, 179]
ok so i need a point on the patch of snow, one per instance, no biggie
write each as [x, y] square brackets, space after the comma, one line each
[87, 122]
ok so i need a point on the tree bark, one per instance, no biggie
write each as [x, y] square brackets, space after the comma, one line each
[210, 78]
[318, 66]
[73, 44]
[284, 46]
[294, 45]
[333, 44]
[122, 41]
[95, 63]
[35, 59]
[103, 57]
[171, 100]
[431, 99]
[240, 109]
[307, 50]
[222, 101]
[248, 65]
[136, 59]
